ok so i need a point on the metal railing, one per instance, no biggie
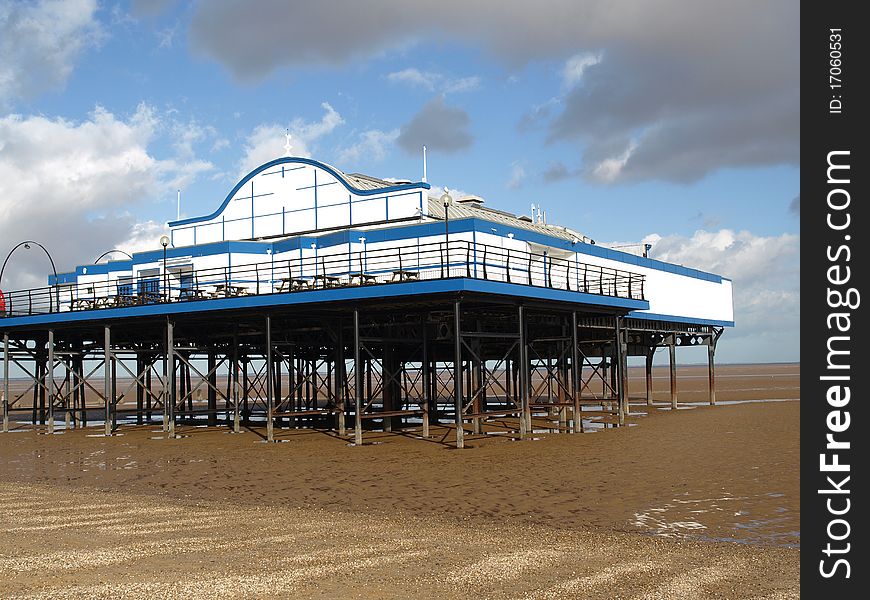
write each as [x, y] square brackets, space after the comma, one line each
[330, 269]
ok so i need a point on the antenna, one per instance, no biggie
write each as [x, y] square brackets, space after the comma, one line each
[178, 212]
[287, 146]
[424, 164]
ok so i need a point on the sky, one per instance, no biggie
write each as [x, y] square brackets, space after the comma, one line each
[673, 122]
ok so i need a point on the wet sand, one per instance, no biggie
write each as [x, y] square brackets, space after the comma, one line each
[698, 503]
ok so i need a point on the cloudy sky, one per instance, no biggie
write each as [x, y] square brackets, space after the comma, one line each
[674, 122]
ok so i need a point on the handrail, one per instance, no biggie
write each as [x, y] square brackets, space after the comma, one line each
[328, 269]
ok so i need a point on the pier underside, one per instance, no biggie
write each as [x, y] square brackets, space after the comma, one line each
[479, 363]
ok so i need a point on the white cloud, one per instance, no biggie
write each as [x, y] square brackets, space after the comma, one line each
[464, 84]
[572, 71]
[372, 145]
[431, 81]
[518, 175]
[609, 169]
[73, 185]
[415, 77]
[40, 43]
[266, 142]
[766, 284]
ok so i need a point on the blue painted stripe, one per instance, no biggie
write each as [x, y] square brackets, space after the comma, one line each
[381, 291]
[676, 319]
[307, 161]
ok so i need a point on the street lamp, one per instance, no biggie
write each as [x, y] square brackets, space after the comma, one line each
[447, 201]
[26, 245]
[108, 252]
[164, 241]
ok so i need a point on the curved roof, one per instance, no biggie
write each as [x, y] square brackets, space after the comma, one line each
[362, 185]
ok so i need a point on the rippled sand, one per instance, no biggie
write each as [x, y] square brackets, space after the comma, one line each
[636, 512]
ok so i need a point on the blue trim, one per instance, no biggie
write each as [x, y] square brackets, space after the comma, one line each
[385, 290]
[307, 161]
[388, 234]
[690, 320]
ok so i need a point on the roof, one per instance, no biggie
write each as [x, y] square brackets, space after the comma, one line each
[459, 210]
[365, 182]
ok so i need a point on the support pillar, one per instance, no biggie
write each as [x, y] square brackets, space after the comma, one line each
[169, 402]
[672, 353]
[617, 372]
[107, 378]
[523, 378]
[711, 370]
[358, 383]
[650, 354]
[270, 367]
[427, 390]
[340, 381]
[457, 374]
[5, 383]
[576, 386]
[235, 376]
[49, 381]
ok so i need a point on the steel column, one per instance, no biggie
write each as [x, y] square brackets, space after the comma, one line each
[358, 384]
[107, 378]
[711, 370]
[525, 409]
[49, 379]
[576, 388]
[270, 400]
[235, 384]
[617, 373]
[5, 382]
[457, 375]
[170, 381]
[650, 355]
[672, 353]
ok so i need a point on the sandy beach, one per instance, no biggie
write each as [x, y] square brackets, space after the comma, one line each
[702, 502]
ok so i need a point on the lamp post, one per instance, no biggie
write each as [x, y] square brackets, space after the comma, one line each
[447, 201]
[363, 263]
[108, 252]
[164, 241]
[26, 244]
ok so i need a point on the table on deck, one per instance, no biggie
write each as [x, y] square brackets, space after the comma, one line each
[326, 281]
[224, 290]
[404, 275]
[363, 279]
[289, 284]
[192, 294]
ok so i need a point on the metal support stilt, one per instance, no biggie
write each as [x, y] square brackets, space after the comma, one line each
[523, 378]
[270, 399]
[107, 378]
[5, 383]
[617, 371]
[358, 384]
[49, 381]
[340, 380]
[170, 367]
[426, 382]
[649, 378]
[457, 375]
[672, 352]
[576, 387]
[235, 375]
[711, 370]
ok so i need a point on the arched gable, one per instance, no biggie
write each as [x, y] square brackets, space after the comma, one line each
[291, 195]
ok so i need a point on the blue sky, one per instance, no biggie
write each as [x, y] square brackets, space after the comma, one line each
[675, 123]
